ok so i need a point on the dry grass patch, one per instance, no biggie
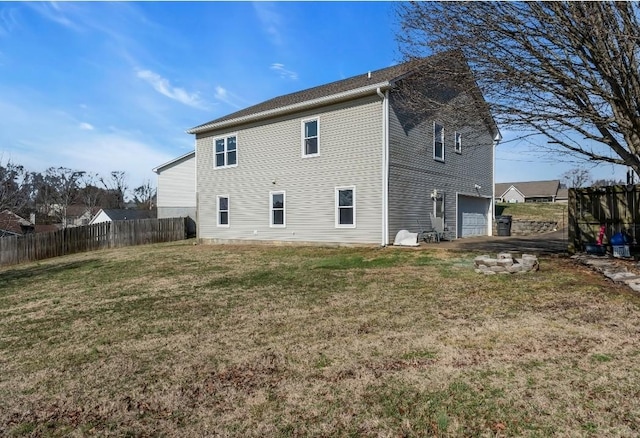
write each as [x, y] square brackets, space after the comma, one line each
[183, 340]
[535, 211]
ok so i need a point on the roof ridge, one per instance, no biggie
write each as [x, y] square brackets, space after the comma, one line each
[351, 83]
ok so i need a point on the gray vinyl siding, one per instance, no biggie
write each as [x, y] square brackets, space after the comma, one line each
[270, 159]
[177, 188]
[166, 212]
[414, 174]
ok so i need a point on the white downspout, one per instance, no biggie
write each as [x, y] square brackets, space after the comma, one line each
[385, 166]
[195, 183]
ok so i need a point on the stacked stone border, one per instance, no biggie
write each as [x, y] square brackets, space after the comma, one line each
[506, 263]
[616, 272]
[522, 227]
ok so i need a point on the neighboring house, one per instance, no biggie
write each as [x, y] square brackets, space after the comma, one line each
[529, 191]
[78, 215]
[346, 162]
[110, 215]
[13, 225]
[563, 195]
[176, 193]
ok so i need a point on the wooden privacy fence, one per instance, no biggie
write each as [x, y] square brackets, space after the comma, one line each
[38, 246]
[617, 208]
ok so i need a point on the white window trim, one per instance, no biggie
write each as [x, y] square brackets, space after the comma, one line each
[284, 210]
[457, 146]
[337, 207]
[302, 137]
[435, 157]
[218, 211]
[226, 160]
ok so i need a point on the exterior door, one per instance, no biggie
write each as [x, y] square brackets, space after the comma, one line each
[473, 216]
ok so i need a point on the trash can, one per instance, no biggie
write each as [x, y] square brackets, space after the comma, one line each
[503, 225]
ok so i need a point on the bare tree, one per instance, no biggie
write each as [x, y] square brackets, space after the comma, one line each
[90, 194]
[604, 182]
[144, 195]
[567, 70]
[14, 193]
[577, 177]
[116, 184]
[64, 183]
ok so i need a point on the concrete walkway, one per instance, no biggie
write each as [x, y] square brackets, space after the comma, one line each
[548, 243]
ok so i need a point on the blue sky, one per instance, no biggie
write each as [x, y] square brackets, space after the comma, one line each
[114, 86]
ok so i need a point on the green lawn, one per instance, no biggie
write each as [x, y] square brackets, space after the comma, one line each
[535, 211]
[253, 341]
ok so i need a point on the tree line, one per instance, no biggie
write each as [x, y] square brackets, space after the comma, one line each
[49, 194]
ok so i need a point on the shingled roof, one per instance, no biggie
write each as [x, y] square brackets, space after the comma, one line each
[123, 214]
[11, 223]
[366, 83]
[530, 189]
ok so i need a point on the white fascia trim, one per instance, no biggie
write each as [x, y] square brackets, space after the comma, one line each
[175, 160]
[516, 189]
[369, 89]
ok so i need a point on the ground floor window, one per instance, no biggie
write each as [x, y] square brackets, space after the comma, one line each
[277, 209]
[223, 210]
[345, 207]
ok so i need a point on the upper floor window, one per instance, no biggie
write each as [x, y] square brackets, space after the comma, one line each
[277, 209]
[223, 211]
[310, 138]
[457, 142]
[226, 152]
[438, 142]
[345, 207]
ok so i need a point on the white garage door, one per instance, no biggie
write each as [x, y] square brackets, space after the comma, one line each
[472, 216]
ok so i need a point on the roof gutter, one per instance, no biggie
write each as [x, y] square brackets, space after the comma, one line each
[334, 98]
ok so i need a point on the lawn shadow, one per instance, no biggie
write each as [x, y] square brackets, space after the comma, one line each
[33, 272]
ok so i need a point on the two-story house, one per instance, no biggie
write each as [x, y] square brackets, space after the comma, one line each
[346, 162]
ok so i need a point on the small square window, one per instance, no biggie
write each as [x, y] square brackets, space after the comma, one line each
[310, 138]
[457, 142]
[438, 142]
[226, 152]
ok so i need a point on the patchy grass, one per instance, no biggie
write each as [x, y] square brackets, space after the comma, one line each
[535, 211]
[183, 340]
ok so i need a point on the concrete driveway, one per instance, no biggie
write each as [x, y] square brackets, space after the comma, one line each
[548, 243]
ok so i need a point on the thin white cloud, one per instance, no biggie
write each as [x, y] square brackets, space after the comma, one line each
[271, 20]
[224, 95]
[53, 12]
[39, 137]
[86, 126]
[164, 87]
[283, 72]
[8, 21]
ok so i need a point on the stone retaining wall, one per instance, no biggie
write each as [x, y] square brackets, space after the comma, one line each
[506, 263]
[521, 227]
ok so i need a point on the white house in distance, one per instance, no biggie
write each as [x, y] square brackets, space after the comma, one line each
[346, 162]
[176, 193]
[531, 191]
